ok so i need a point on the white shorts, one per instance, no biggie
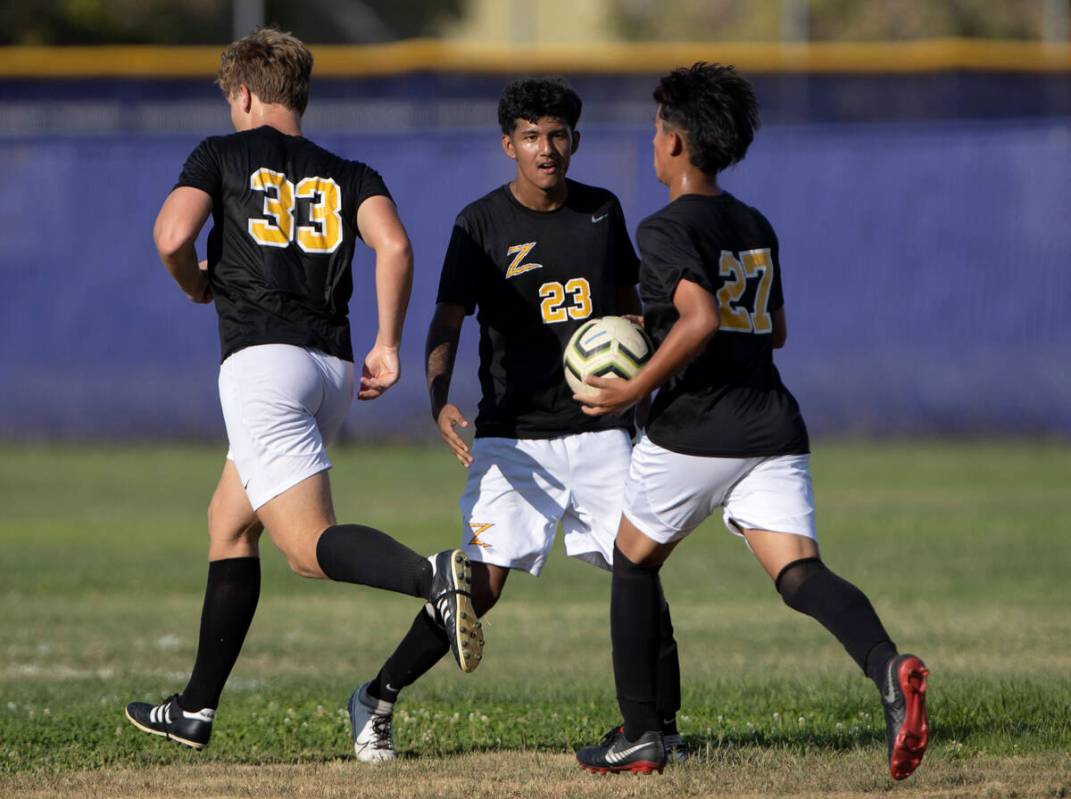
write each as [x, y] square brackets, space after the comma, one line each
[668, 494]
[281, 405]
[518, 491]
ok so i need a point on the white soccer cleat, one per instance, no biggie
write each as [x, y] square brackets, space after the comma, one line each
[370, 724]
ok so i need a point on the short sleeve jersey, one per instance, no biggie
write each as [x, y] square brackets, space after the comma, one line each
[284, 215]
[533, 278]
[729, 401]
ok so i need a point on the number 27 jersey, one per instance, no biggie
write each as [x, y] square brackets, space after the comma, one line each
[284, 214]
[535, 277]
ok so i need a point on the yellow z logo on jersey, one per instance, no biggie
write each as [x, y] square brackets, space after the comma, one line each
[515, 266]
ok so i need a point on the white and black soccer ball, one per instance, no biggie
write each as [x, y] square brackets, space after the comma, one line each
[608, 347]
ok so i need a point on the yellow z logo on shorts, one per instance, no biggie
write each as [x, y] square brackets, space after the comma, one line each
[478, 529]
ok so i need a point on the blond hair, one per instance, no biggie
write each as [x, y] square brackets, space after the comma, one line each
[273, 64]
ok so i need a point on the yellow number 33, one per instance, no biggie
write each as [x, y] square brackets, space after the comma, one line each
[322, 234]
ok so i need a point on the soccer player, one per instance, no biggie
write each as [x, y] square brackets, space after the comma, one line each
[536, 257]
[723, 429]
[287, 215]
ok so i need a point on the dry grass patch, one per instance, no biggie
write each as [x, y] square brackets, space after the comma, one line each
[741, 774]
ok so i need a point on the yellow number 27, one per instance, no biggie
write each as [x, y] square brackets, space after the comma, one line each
[739, 318]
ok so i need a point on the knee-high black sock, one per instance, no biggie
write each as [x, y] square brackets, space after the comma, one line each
[635, 617]
[230, 602]
[353, 553]
[808, 586]
[668, 700]
[423, 646]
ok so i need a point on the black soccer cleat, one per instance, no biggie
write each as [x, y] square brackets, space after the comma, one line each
[615, 753]
[676, 746]
[172, 722]
[451, 598]
[903, 697]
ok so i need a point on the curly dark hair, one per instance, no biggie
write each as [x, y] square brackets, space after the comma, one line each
[535, 98]
[714, 108]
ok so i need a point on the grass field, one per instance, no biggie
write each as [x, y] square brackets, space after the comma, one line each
[962, 547]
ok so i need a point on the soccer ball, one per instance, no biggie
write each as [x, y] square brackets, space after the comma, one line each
[607, 347]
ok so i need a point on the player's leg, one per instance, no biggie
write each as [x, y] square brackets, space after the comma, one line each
[599, 466]
[510, 508]
[371, 706]
[667, 495]
[230, 602]
[773, 507]
[425, 643]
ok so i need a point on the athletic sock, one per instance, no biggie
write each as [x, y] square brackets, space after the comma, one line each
[808, 586]
[353, 553]
[877, 662]
[423, 646]
[635, 618]
[230, 602]
[668, 692]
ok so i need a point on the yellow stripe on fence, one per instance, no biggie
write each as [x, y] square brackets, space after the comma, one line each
[415, 55]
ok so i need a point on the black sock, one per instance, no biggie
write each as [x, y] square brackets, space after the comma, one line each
[423, 646]
[668, 700]
[635, 610]
[877, 662]
[353, 553]
[808, 586]
[230, 602]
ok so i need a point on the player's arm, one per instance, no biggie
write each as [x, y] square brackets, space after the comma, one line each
[698, 321]
[383, 232]
[440, 352]
[181, 218]
[780, 328]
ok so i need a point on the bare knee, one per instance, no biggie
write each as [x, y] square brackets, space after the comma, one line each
[300, 552]
[231, 536]
[303, 568]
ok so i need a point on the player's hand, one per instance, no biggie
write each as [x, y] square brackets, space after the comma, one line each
[380, 371]
[615, 395]
[450, 418]
[635, 318]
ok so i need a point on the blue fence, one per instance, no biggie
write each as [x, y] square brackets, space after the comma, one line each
[927, 270]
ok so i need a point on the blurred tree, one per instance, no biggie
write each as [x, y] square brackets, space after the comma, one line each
[74, 22]
[828, 20]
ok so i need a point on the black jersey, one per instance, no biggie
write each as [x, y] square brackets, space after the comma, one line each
[284, 215]
[535, 277]
[730, 401]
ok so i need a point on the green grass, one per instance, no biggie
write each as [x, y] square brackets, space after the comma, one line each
[961, 546]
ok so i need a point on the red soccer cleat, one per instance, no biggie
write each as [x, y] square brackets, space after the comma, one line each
[904, 700]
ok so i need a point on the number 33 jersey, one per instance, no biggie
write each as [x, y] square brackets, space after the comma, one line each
[534, 278]
[730, 401]
[284, 215]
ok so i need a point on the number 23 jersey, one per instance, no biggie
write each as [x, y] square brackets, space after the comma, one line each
[535, 277]
[730, 401]
[284, 214]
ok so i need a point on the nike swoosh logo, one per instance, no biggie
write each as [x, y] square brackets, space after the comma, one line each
[890, 695]
[597, 219]
[391, 687]
[613, 757]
